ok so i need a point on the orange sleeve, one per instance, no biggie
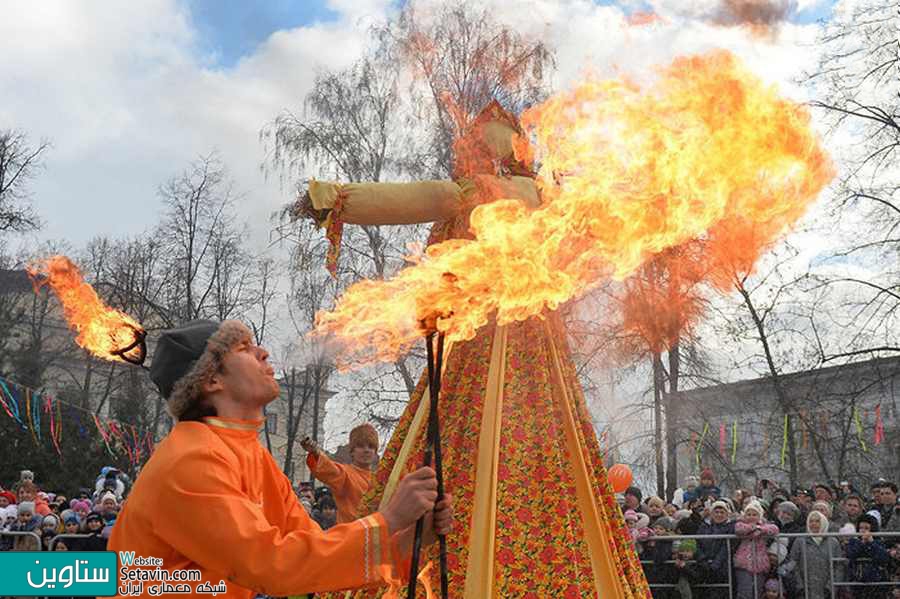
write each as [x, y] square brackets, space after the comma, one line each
[217, 526]
[328, 471]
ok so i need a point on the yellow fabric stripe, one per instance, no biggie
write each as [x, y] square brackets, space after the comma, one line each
[367, 554]
[606, 580]
[376, 540]
[480, 564]
[411, 435]
[237, 426]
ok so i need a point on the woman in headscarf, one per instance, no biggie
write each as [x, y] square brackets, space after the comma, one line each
[812, 560]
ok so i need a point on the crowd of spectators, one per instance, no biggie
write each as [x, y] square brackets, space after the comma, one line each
[739, 548]
[90, 514]
[747, 551]
[318, 503]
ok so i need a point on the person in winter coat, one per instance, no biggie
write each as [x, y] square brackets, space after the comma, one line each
[691, 524]
[751, 561]
[28, 521]
[868, 559]
[326, 514]
[655, 556]
[81, 507]
[639, 527]
[714, 555]
[810, 563]
[94, 526]
[6, 499]
[825, 508]
[788, 520]
[633, 498]
[708, 488]
[685, 571]
[28, 492]
[688, 488]
[655, 509]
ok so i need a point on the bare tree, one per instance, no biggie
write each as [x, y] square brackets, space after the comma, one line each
[19, 162]
[858, 93]
[204, 244]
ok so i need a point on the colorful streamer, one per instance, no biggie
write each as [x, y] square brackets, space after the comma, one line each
[784, 443]
[734, 441]
[700, 443]
[722, 439]
[859, 430]
[879, 426]
[103, 434]
[29, 416]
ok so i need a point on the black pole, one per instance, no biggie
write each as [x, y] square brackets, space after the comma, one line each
[439, 463]
[432, 445]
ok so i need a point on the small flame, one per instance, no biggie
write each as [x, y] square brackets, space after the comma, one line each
[105, 332]
[706, 151]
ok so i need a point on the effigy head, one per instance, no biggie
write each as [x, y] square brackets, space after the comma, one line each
[491, 144]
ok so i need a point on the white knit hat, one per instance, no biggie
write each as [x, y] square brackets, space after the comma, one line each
[754, 506]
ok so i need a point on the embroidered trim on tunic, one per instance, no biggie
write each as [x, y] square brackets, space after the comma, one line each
[238, 426]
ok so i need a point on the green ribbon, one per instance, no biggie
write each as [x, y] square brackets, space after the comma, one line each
[700, 444]
[859, 430]
[784, 443]
[733, 441]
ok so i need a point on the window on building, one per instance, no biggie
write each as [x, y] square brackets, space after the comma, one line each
[272, 424]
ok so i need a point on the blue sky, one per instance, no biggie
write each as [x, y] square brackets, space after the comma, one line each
[232, 29]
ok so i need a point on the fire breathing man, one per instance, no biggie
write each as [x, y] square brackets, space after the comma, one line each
[348, 482]
[230, 512]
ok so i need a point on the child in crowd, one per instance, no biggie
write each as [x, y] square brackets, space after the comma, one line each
[655, 509]
[685, 571]
[94, 527]
[28, 521]
[868, 559]
[657, 553]
[82, 507]
[751, 561]
[51, 523]
[773, 589]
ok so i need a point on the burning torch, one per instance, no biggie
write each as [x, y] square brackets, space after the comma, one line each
[105, 332]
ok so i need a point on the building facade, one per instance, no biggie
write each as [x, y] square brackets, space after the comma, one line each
[840, 422]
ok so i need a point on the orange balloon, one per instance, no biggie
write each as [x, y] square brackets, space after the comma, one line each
[619, 477]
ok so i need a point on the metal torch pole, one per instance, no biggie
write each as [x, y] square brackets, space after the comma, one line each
[432, 445]
[439, 462]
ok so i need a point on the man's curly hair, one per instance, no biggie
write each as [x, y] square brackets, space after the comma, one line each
[186, 401]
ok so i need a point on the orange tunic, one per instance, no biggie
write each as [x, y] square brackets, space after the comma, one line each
[348, 484]
[212, 499]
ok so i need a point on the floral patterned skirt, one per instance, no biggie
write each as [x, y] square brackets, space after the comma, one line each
[534, 513]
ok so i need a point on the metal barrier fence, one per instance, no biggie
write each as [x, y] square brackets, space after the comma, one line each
[23, 533]
[724, 584]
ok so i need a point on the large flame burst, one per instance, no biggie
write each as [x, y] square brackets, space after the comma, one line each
[105, 332]
[704, 151]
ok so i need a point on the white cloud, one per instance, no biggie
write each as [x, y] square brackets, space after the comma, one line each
[125, 97]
